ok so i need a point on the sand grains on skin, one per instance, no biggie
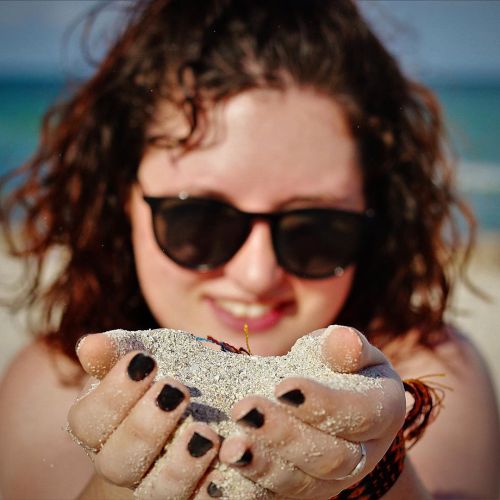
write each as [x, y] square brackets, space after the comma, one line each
[218, 379]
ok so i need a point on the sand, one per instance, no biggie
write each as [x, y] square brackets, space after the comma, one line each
[218, 379]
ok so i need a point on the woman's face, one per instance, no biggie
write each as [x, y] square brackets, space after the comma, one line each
[266, 150]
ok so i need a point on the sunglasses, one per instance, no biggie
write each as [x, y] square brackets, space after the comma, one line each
[203, 234]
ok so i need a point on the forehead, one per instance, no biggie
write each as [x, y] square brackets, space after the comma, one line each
[262, 147]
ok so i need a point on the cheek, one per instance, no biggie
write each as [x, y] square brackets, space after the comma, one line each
[164, 285]
[324, 299]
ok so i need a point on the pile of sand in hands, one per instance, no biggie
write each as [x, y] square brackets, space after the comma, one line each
[217, 379]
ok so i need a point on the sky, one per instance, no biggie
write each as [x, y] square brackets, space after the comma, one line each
[432, 38]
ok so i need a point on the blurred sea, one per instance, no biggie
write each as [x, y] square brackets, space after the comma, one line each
[472, 111]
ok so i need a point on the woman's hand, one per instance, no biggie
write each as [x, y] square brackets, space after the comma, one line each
[308, 444]
[127, 419]
[304, 446]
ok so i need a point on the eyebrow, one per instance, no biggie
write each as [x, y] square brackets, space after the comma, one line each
[323, 200]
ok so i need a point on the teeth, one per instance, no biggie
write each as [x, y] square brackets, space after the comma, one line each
[242, 310]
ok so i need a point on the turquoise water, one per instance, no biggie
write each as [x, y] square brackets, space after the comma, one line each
[22, 104]
[472, 111]
[473, 120]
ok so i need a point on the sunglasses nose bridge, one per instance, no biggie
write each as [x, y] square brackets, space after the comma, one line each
[254, 266]
[271, 219]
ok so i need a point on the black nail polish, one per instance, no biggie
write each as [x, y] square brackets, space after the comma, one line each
[245, 459]
[169, 398]
[213, 490]
[199, 445]
[140, 367]
[294, 397]
[254, 418]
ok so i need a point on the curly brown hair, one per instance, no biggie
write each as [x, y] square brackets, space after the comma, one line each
[75, 189]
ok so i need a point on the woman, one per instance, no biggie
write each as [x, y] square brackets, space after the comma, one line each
[204, 114]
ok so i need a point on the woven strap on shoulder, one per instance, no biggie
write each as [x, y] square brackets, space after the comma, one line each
[426, 403]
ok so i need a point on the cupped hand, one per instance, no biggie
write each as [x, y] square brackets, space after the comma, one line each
[126, 420]
[307, 445]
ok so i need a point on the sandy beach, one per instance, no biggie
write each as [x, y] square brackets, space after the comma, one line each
[478, 318]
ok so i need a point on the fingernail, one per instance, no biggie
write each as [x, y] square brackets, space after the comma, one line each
[199, 445]
[294, 397]
[169, 398]
[213, 490]
[140, 367]
[245, 459]
[254, 418]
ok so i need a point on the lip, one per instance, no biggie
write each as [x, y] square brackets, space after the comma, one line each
[259, 324]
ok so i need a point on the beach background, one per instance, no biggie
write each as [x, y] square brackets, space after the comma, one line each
[452, 46]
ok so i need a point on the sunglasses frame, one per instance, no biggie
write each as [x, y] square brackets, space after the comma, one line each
[272, 218]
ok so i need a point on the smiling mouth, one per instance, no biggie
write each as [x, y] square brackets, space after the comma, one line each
[258, 316]
[243, 310]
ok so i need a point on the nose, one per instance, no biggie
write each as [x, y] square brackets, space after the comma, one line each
[254, 267]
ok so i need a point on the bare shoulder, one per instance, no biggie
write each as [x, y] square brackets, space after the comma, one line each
[37, 457]
[459, 453]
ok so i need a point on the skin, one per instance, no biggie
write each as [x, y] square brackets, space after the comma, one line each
[317, 477]
[307, 131]
[267, 151]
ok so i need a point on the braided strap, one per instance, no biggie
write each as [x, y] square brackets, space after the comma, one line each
[426, 404]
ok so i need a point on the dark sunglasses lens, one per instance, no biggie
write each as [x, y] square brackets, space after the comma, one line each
[199, 234]
[316, 243]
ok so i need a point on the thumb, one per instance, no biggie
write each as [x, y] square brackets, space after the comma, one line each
[348, 351]
[97, 354]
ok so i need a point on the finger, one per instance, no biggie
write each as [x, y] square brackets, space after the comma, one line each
[139, 439]
[316, 453]
[97, 353]
[228, 484]
[351, 415]
[187, 458]
[95, 416]
[257, 463]
[348, 351]
[210, 487]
